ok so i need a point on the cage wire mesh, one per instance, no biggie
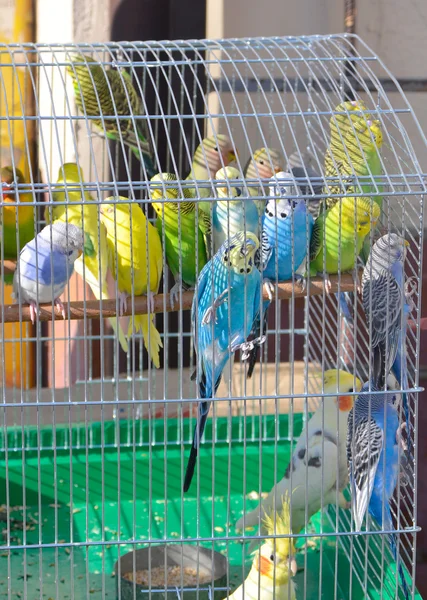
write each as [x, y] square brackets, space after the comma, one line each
[94, 453]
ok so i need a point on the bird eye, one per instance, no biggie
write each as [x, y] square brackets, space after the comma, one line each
[216, 149]
[261, 162]
[351, 390]
[70, 252]
[272, 557]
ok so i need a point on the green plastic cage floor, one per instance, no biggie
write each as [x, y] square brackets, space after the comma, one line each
[78, 502]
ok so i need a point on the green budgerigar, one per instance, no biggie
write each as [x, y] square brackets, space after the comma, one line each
[183, 226]
[356, 139]
[110, 92]
[339, 233]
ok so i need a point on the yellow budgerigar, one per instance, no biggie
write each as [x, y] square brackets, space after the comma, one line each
[93, 264]
[136, 270]
[270, 577]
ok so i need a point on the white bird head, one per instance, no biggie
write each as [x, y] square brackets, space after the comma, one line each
[64, 238]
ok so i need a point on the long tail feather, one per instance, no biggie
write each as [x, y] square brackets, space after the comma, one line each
[346, 300]
[146, 159]
[400, 371]
[198, 432]
[93, 283]
[152, 339]
[203, 413]
[256, 332]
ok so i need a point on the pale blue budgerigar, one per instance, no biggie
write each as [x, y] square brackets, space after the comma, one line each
[286, 232]
[387, 309]
[223, 313]
[373, 439]
[232, 212]
[46, 263]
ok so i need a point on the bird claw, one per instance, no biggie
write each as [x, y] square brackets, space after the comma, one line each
[174, 293]
[33, 311]
[247, 347]
[210, 313]
[150, 301]
[61, 309]
[327, 283]
[399, 438]
[268, 288]
[123, 303]
[356, 280]
[301, 280]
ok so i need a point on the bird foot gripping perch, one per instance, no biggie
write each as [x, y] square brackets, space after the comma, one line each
[246, 347]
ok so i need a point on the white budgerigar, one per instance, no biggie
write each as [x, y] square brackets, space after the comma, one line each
[319, 464]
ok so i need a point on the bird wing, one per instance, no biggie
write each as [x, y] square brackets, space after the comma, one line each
[263, 254]
[316, 240]
[382, 302]
[364, 451]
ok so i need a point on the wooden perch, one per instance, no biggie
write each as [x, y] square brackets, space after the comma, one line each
[13, 313]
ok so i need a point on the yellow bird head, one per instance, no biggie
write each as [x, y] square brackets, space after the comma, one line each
[343, 382]
[274, 559]
[8, 181]
[360, 213]
[264, 163]
[161, 190]
[228, 174]
[216, 151]
[368, 132]
[240, 251]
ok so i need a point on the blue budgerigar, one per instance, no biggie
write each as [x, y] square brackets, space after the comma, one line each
[387, 309]
[46, 263]
[223, 313]
[373, 439]
[232, 212]
[286, 232]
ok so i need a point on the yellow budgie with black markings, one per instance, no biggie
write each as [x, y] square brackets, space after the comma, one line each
[270, 577]
[99, 91]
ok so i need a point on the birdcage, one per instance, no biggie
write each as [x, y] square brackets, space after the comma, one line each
[93, 455]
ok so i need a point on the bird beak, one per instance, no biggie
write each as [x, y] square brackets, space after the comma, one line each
[407, 244]
[345, 403]
[80, 253]
[293, 566]
[232, 156]
[6, 189]
[277, 169]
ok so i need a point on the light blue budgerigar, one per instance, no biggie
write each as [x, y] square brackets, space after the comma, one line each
[232, 212]
[373, 439]
[46, 263]
[223, 312]
[387, 309]
[286, 232]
